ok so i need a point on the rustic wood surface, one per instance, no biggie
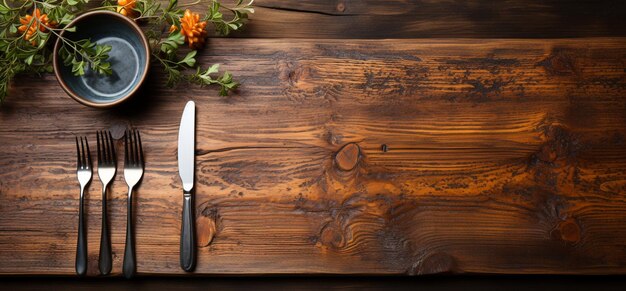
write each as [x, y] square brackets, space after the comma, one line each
[396, 156]
[436, 18]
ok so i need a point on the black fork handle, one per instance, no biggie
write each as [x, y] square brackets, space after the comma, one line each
[129, 266]
[81, 248]
[105, 263]
[187, 236]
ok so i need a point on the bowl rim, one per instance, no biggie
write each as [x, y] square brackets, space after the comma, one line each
[69, 91]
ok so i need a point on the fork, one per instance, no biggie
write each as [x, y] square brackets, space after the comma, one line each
[133, 171]
[83, 171]
[106, 172]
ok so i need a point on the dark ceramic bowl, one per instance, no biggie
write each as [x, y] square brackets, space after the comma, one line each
[129, 58]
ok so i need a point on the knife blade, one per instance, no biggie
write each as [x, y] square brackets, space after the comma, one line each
[186, 169]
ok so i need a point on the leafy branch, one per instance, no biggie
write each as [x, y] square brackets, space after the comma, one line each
[225, 81]
[177, 66]
[240, 16]
[86, 54]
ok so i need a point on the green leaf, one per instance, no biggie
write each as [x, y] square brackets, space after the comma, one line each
[189, 59]
[105, 69]
[66, 19]
[42, 43]
[173, 76]
[78, 67]
[29, 59]
[173, 41]
[172, 4]
[213, 69]
[106, 49]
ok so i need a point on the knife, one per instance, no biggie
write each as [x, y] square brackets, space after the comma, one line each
[186, 166]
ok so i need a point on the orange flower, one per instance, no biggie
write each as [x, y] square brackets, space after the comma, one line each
[41, 21]
[193, 30]
[125, 7]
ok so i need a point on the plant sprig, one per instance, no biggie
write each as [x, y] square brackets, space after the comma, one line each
[178, 66]
[175, 67]
[86, 54]
[225, 81]
[240, 16]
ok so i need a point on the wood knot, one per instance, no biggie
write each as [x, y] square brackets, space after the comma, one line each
[331, 236]
[332, 138]
[292, 72]
[560, 143]
[206, 226]
[560, 147]
[348, 157]
[434, 263]
[547, 153]
[559, 63]
[341, 7]
[567, 231]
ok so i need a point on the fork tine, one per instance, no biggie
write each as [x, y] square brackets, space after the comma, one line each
[125, 147]
[135, 155]
[140, 153]
[77, 154]
[83, 156]
[105, 148]
[111, 148]
[135, 149]
[136, 145]
[129, 146]
[88, 154]
[85, 152]
[99, 150]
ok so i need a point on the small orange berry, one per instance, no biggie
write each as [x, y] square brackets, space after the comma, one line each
[125, 7]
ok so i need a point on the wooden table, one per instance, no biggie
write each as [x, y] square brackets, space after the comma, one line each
[498, 146]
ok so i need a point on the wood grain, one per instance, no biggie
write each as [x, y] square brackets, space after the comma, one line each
[480, 156]
[434, 18]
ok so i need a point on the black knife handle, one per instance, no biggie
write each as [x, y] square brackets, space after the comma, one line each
[129, 265]
[105, 259]
[187, 236]
[81, 248]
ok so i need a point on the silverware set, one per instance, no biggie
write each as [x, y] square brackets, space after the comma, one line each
[107, 165]
[133, 172]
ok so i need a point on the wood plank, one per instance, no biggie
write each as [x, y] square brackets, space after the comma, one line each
[457, 155]
[435, 18]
